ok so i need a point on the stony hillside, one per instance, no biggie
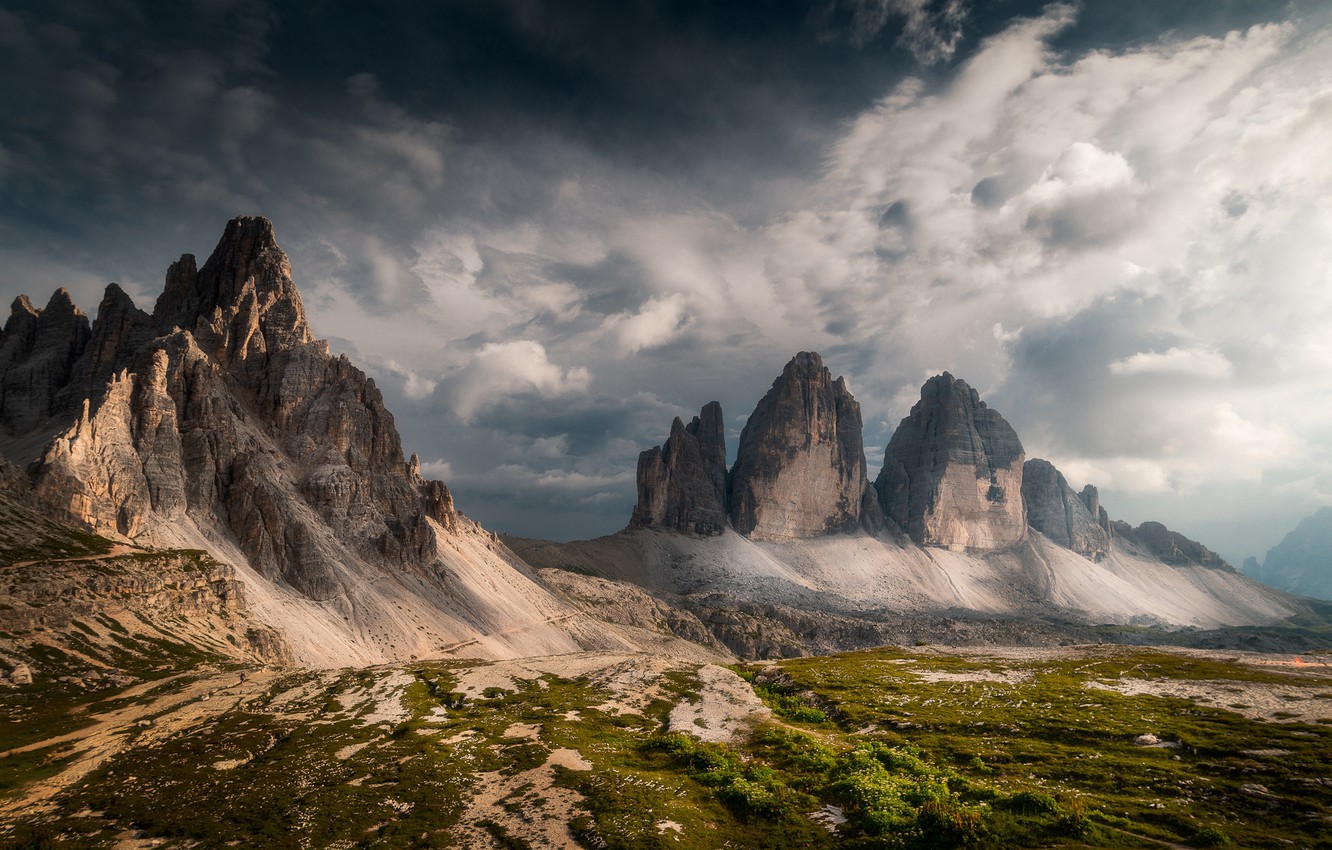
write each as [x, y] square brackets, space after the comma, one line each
[93, 614]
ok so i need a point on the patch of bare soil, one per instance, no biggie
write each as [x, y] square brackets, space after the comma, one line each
[726, 706]
[527, 806]
[1254, 700]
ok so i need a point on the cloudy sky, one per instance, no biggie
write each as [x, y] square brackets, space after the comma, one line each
[547, 228]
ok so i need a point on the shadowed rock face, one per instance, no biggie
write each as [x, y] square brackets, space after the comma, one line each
[682, 484]
[38, 353]
[1091, 498]
[222, 412]
[800, 468]
[952, 472]
[1062, 515]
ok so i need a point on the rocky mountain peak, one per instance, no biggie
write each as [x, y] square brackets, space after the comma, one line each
[1302, 561]
[800, 468]
[952, 473]
[1068, 518]
[1174, 548]
[38, 350]
[223, 409]
[119, 330]
[682, 484]
[242, 304]
[22, 306]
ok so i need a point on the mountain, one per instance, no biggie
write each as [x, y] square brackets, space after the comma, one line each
[1302, 561]
[220, 423]
[978, 544]
[1073, 520]
[220, 429]
[800, 469]
[1171, 546]
[682, 484]
[952, 472]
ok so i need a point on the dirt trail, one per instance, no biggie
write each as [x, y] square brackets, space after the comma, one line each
[155, 719]
[454, 647]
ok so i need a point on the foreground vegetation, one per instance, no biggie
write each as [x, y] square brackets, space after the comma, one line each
[876, 749]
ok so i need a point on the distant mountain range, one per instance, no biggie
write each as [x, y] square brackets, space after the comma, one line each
[1302, 562]
[219, 424]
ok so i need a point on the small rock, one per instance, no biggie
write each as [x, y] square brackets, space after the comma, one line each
[1150, 740]
[21, 675]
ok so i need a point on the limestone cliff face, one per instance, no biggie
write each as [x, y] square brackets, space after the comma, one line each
[1064, 516]
[952, 473]
[223, 410]
[682, 484]
[800, 467]
[1091, 499]
[38, 352]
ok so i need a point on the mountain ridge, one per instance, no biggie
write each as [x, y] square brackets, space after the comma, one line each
[973, 531]
[220, 423]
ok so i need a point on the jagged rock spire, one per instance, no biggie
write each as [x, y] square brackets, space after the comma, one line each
[952, 472]
[242, 303]
[119, 330]
[800, 468]
[223, 406]
[682, 484]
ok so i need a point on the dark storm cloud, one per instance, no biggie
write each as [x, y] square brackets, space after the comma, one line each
[547, 228]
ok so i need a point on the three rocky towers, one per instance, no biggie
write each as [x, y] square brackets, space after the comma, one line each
[954, 473]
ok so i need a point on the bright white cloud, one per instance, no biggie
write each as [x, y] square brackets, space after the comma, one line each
[502, 369]
[1191, 362]
[656, 323]
[1068, 231]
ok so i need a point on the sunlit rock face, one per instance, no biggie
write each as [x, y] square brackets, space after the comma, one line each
[800, 468]
[223, 409]
[952, 473]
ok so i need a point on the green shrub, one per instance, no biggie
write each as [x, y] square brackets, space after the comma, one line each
[950, 824]
[1030, 803]
[1072, 820]
[1210, 837]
